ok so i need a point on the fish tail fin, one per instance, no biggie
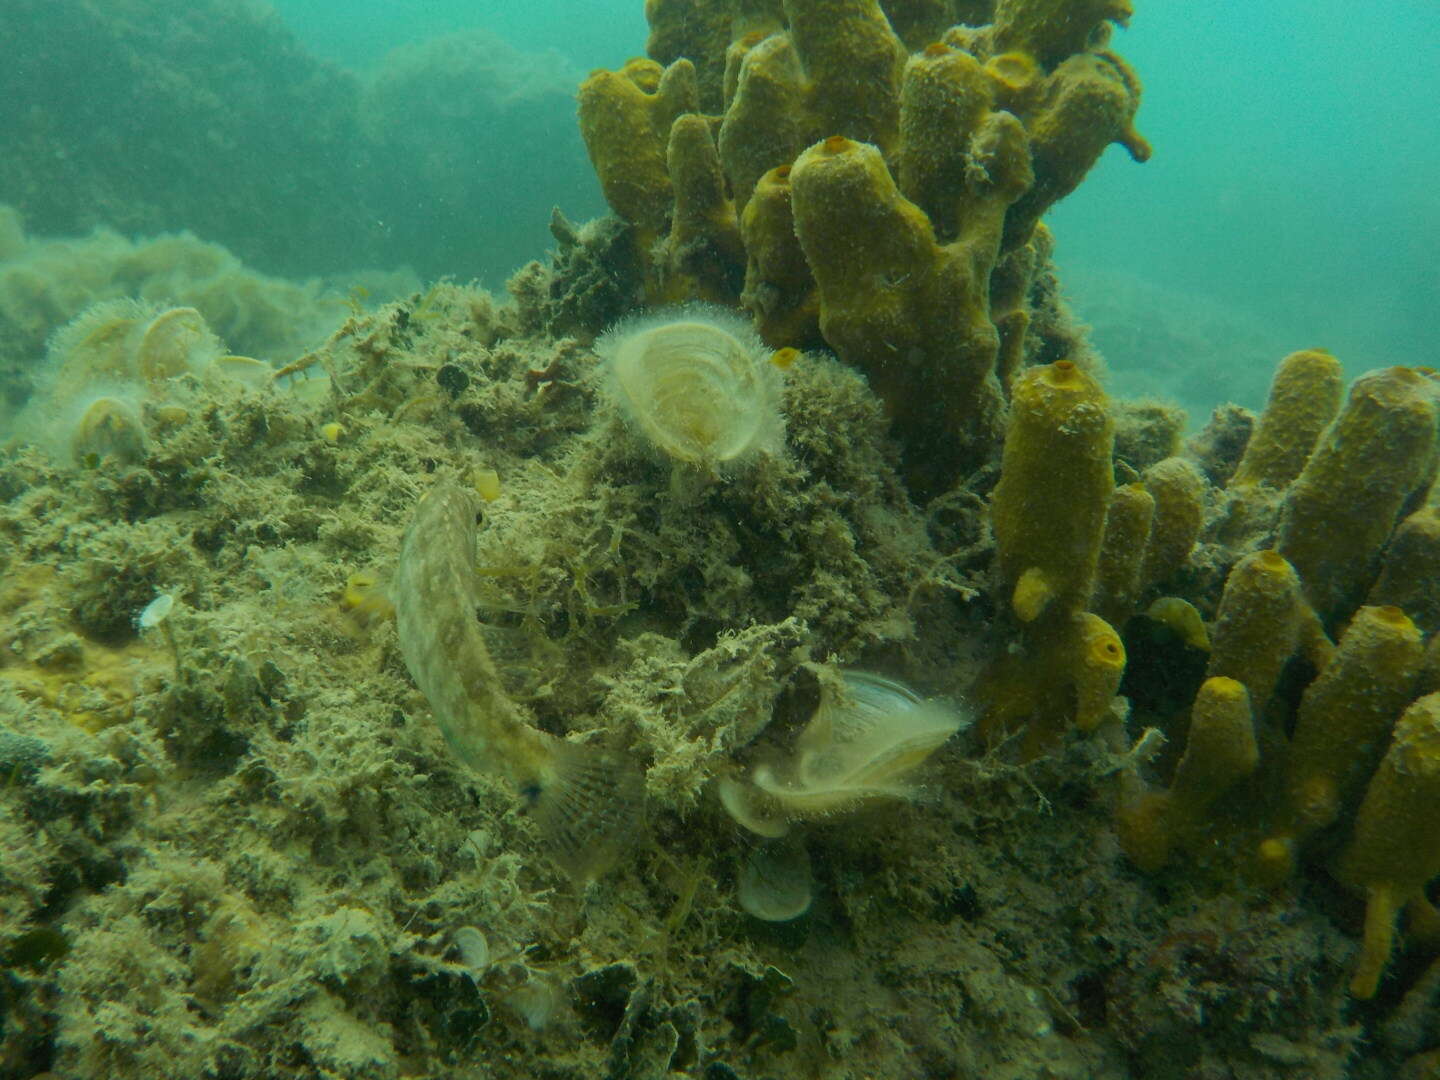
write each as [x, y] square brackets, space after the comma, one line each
[589, 804]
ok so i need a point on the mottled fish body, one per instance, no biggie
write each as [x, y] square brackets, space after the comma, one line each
[585, 800]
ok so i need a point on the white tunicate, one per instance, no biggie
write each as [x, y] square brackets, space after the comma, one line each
[534, 1001]
[863, 741]
[156, 612]
[698, 384]
[775, 882]
[863, 744]
[109, 427]
[474, 949]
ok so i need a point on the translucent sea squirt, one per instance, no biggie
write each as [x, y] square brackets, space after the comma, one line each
[775, 881]
[867, 737]
[697, 383]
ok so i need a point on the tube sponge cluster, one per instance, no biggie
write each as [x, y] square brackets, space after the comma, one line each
[1049, 513]
[1315, 727]
[1311, 729]
[867, 178]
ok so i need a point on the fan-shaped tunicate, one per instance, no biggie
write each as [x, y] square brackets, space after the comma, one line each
[866, 738]
[473, 947]
[697, 383]
[775, 881]
[534, 1001]
[105, 367]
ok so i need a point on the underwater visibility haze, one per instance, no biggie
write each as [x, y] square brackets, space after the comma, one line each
[726, 539]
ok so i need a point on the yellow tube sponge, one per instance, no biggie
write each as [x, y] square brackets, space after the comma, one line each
[779, 288]
[1428, 680]
[765, 125]
[1010, 300]
[1220, 750]
[1338, 514]
[1344, 720]
[1064, 672]
[625, 119]
[1097, 666]
[1016, 81]
[911, 313]
[1122, 552]
[1304, 398]
[1263, 620]
[853, 62]
[1410, 572]
[1051, 30]
[704, 256]
[835, 70]
[701, 30]
[1183, 620]
[944, 98]
[1090, 102]
[1055, 483]
[1179, 494]
[1395, 849]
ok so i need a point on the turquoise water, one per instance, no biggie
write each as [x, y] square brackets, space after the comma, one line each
[588, 34]
[1293, 182]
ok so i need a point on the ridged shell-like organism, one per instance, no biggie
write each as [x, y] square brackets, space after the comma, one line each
[697, 383]
[866, 738]
[775, 881]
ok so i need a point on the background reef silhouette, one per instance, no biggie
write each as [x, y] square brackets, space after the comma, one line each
[148, 116]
